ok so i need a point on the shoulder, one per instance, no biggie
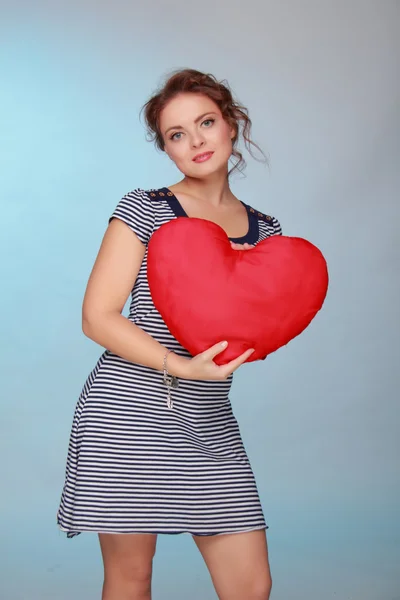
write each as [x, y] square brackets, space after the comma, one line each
[143, 203]
[157, 194]
[136, 209]
[138, 201]
[267, 220]
[138, 195]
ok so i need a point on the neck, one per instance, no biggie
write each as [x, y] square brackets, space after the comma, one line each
[215, 191]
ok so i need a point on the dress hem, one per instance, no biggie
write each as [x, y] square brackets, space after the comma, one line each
[73, 533]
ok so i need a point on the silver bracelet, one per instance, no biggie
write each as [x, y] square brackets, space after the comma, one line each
[169, 380]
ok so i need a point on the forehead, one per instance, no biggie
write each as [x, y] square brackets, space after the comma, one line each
[186, 107]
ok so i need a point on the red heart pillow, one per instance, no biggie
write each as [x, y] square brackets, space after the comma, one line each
[207, 292]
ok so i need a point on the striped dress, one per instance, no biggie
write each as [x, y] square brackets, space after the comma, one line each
[133, 464]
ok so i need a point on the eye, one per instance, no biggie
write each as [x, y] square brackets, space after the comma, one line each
[174, 134]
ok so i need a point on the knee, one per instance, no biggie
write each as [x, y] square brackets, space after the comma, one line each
[261, 588]
[128, 565]
[140, 573]
[134, 573]
[127, 580]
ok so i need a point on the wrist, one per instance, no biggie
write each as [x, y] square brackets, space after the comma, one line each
[178, 365]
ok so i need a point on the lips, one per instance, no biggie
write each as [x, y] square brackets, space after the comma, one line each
[203, 156]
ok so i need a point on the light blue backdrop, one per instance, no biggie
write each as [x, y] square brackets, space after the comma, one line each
[320, 417]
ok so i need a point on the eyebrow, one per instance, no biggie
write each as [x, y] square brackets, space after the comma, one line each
[196, 121]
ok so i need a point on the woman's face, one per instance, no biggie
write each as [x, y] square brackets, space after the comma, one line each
[192, 124]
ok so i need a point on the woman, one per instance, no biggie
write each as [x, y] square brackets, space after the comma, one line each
[138, 464]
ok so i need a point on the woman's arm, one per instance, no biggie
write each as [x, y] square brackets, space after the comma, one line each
[110, 283]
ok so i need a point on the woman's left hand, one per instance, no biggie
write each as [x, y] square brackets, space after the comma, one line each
[241, 246]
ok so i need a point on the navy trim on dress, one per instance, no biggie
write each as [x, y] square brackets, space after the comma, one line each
[252, 234]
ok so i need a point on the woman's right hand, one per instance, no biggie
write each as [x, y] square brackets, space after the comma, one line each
[203, 367]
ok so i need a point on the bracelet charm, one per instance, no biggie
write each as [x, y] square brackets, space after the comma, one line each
[169, 380]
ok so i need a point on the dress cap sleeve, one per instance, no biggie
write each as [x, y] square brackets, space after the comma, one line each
[136, 209]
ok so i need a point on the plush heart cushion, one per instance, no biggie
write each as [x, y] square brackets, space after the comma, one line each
[207, 292]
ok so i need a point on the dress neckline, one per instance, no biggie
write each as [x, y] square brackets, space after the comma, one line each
[251, 237]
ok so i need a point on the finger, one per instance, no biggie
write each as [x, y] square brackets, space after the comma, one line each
[210, 353]
[236, 362]
[245, 246]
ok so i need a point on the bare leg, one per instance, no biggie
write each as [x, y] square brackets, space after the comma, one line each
[238, 564]
[128, 564]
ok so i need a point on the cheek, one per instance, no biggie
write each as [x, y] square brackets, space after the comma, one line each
[174, 151]
[223, 135]
[178, 153]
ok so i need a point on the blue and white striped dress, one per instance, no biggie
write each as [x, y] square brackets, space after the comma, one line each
[133, 464]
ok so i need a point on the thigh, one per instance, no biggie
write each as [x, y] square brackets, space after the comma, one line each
[128, 555]
[238, 564]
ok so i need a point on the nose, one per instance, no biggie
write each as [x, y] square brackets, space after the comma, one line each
[197, 140]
